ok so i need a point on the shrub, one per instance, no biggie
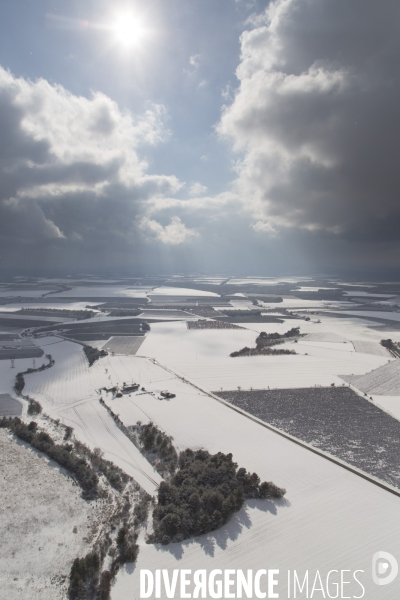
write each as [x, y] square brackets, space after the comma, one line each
[34, 407]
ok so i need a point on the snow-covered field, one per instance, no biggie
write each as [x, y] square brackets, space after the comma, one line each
[373, 314]
[267, 280]
[384, 381]
[178, 291]
[330, 519]
[7, 373]
[69, 391]
[15, 306]
[203, 356]
[124, 344]
[370, 347]
[104, 291]
[25, 293]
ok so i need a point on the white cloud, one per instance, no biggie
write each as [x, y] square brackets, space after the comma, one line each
[173, 234]
[70, 166]
[264, 226]
[194, 60]
[197, 189]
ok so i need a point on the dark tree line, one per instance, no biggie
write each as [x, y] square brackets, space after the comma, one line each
[264, 342]
[265, 339]
[78, 459]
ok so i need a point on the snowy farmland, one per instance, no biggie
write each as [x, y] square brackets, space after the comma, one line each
[322, 524]
[334, 419]
[69, 391]
[125, 344]
[330, 519]
[203, 356]
[384, 381]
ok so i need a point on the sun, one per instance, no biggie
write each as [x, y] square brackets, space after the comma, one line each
[128, 30]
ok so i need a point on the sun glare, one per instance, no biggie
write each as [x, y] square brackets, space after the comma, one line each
[129, 30]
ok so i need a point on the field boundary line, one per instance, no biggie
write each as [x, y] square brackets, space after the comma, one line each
[289, 437]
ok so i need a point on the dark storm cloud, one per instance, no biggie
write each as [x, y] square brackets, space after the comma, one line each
[317, 116]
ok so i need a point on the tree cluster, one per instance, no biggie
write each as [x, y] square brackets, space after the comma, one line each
[84, 577]
[265, 339]
[34, 407]
[202, 495]
[204, 324]
[260, 350]
[157, 446]
[128, 549]
[92, 354]
[392, 347]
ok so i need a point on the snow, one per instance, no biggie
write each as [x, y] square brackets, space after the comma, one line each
[203, 356]
[322, 336]
[372, 314]
[13, 317]
[370, 347]
[24, 293]
[267, 280]
[293, 303]
[330, 519]
[7, 374]
[15, 306]
[178, 291]
[390, 404]
[384, 381]
[315, 288]
[93, 425]
[104, 291]
[39, 507]
[124, 344]
[368, 294]
[67, 391]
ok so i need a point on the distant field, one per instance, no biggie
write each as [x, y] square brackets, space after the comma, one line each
[128, 345]
[9, 406]
[23, 352]
[19, 348]
[108, 328]
[18, 323]
[159, 314]
[370, 347]
[384, 381]
[333, 419]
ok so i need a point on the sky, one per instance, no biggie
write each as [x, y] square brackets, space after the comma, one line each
[184, 136]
